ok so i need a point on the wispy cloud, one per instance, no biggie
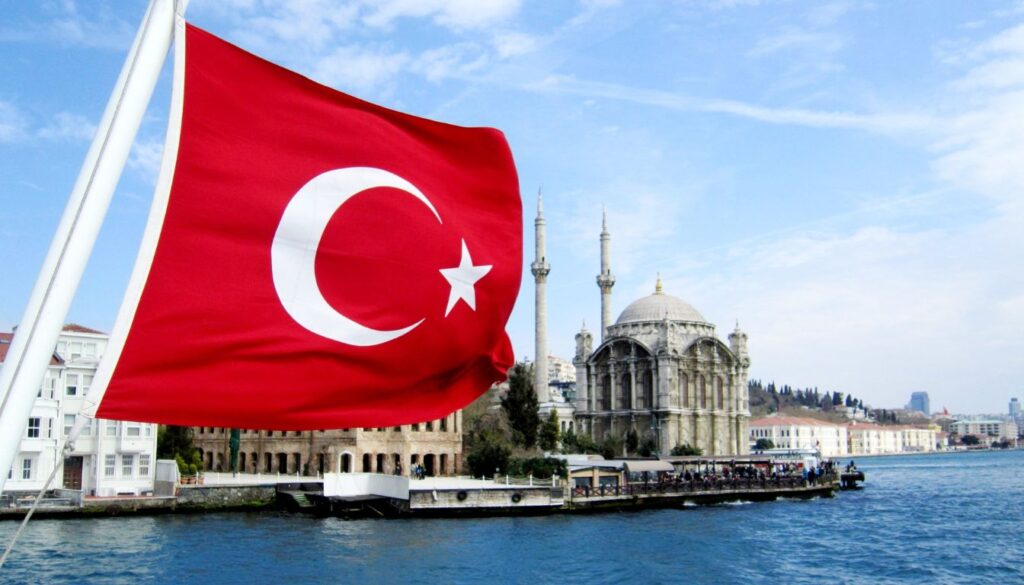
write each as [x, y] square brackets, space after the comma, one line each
[68, 126]
[881, 122]
[13, 123]
[98, 26]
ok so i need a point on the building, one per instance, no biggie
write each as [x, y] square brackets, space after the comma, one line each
[788, 432]
[560, 370]
[919, 439]
[919, 402]
[991, 429]
[109, 457]
[436, 445]
[1015, 413]
[872, 439]
[660, 371]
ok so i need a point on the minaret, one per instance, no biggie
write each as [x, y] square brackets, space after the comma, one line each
[540, 269]
[605, 280]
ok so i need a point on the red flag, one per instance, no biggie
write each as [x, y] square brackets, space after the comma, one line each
[313, 260]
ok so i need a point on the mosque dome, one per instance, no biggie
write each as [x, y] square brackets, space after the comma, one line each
[657, 307]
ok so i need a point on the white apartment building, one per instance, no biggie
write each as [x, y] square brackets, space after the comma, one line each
[789, 432]
[919, 439]
[110, 457]
[560, 370]
[872, 439]
[1000, 429]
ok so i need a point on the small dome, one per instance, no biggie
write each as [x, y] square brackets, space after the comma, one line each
[657, 307]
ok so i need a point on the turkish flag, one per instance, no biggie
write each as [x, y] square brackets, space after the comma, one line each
[313, 260]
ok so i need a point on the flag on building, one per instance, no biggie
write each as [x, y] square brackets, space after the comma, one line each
[312, 260]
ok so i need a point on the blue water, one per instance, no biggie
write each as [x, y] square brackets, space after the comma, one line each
[952, 518]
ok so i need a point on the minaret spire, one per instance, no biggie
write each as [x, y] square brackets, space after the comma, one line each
[540, 269]
[605, 280]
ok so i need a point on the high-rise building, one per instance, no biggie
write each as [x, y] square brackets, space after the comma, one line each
[919, 401]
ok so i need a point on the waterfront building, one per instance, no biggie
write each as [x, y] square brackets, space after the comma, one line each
[435, 445]
[985, 429]
[109, 458]
[789, 432]
[920, 402]
[919, 439]
[873, 439]
[661, 371]
[1015, 413]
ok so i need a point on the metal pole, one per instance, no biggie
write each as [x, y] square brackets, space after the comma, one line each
[41, 324]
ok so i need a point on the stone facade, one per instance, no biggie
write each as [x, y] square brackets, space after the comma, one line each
[436, 445]
[663, 373]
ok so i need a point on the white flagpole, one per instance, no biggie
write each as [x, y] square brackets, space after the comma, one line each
[37, 333]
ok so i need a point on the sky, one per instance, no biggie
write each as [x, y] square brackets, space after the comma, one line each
[845, 179]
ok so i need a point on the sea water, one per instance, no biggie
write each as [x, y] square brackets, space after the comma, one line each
[947, 518]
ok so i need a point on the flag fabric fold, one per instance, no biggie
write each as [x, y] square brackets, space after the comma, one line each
[312, 260]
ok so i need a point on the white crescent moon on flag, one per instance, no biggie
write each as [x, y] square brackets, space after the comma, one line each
[293, 252]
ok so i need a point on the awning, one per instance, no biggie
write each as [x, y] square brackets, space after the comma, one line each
[648, 465]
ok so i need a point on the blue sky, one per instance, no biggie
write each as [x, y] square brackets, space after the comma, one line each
[844, 178]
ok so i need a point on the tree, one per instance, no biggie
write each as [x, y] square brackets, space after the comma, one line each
[573, 443]
[610, 447]
[176, 441]
[648, 447]
[549, 433]
[686, 449]
[521, 407]
[489, 454]
[764, 444]
[970, 440]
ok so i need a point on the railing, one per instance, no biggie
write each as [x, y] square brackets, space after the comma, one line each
[704, 485]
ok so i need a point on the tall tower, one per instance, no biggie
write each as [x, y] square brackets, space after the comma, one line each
[540, 269]
[605, 280]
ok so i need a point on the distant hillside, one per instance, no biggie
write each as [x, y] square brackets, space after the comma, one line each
[768, 398]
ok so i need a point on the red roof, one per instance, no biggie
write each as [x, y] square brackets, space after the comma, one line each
[5, 344]
[76, 328]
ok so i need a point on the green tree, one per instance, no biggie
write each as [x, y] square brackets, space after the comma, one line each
[648, 446]
[764, 444]
[686, 449]
[970, 440]
[610, 447]
[174, 442]
[521, 407]
[489, 454]
[573, 443]
[549, 432]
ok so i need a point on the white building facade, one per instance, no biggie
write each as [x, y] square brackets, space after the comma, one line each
[109, 458]
[998, 429]
[787, 432]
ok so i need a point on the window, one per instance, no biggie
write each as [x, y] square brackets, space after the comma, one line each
[144, 464]
[33, 428]
[111, 429]
[109, 461]
[148, 430]
[127, 465]
[86, 382]
[72, 385]
[69, 421]
[74, 350]
[26, 469]
[89, 350]
[132, 429]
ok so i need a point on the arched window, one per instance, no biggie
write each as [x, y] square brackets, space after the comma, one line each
[648, 393]
[606, 393]
[268, 463]
[684, 389]
[720, 392]
[625, 392]
[380, 463]
[366, 463]
[702, 395]
[346, 463]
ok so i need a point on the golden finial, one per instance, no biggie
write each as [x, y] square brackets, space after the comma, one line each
[657, 287]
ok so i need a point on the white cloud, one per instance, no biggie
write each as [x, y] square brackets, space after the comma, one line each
[13, 123]
[145, 158]
[882, 122]
[457, 14]
[68, 126]
[513, 44]
[356, 68]
[99, 26]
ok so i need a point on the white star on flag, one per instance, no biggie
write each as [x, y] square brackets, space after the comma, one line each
[463, 278]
